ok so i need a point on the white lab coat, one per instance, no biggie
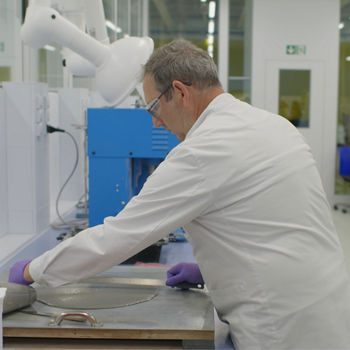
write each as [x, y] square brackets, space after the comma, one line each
[244, 186]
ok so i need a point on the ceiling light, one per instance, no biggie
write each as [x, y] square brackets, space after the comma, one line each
[49, 48]
[341, 25]
[211, 50]
[212, 8]
[347, 59]
[211, 27]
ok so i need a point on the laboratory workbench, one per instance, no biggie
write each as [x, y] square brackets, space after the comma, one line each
[173, 319]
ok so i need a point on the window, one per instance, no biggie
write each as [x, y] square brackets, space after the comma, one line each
[294, 96]
[239, 50]
[5, 73]
[343, 128]
[193, 20]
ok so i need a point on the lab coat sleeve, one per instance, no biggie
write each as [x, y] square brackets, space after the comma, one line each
[173, 195]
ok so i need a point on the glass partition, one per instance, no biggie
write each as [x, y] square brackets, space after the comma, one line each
[294, 96]
[343, 128]
[10, 54]
[197, 21]
[193, 20]
[5, 73]
[239, 50]
[50, 68]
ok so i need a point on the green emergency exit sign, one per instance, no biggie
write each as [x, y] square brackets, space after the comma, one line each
[2, 46]
[296, 49]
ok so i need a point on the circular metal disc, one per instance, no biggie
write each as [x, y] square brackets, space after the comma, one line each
[94, 296]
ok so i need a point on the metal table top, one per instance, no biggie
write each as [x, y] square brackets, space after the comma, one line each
[172, 314]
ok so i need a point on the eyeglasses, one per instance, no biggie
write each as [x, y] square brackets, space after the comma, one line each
[153, 106]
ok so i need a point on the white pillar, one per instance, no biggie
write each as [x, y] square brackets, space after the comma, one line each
[223, 42]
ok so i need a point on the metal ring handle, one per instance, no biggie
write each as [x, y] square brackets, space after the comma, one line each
[89, 317]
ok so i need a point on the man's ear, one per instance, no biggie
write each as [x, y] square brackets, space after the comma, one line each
[181, 91]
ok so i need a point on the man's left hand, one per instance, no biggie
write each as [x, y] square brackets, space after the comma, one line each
[17, 273]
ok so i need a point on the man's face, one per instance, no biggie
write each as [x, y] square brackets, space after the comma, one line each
[168, 113]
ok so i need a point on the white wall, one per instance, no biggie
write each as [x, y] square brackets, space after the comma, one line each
[3, 167]
[314, 24]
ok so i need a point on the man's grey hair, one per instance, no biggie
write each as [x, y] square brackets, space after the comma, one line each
[181, 60]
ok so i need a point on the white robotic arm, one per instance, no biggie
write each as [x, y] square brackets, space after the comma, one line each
[88, 15]
[118, 66]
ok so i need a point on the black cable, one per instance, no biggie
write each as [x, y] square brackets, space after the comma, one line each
[50, 129]
[79, 225]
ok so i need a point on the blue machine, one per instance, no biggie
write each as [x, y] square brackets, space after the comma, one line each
[123, 149]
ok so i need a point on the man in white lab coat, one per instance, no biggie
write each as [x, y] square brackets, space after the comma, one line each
[244, 186]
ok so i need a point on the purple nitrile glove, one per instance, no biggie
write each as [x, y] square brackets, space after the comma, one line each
[184, 272]
[16, 272]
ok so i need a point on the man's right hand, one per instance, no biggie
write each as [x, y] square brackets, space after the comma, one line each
[184, 272]
[19, 273]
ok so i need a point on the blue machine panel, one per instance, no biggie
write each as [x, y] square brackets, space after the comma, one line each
[122, 146]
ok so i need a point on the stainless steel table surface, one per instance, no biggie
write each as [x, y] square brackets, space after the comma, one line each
[174, 314]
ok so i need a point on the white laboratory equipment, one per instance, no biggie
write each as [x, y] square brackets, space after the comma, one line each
[119, 65]
[35, 164]
[27, 171]
[89, 16]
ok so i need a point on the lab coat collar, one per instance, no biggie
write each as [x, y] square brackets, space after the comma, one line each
[212, 105]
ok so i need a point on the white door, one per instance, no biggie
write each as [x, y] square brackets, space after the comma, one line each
[308, 107]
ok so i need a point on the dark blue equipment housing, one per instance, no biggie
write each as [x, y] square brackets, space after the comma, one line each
[344, 162]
